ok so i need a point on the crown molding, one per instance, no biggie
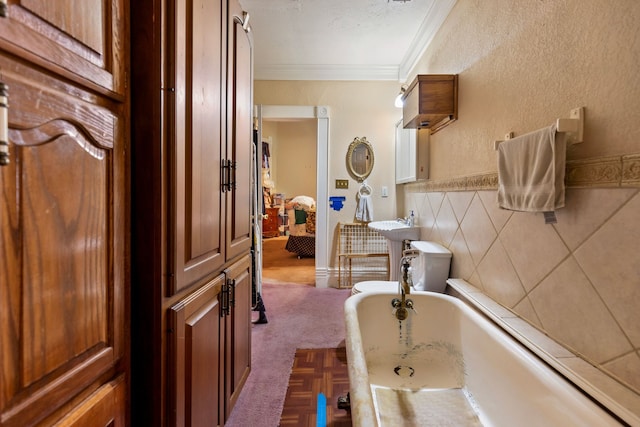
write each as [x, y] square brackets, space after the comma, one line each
[432, 22]
[326, 72]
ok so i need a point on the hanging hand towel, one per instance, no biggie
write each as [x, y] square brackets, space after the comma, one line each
[364, 210]
[531, 171]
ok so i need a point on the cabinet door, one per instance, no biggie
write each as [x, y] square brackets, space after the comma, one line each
[270, 223]
[412, 154]
[238, 323]
[197, 362]
[239, 133]
[62, 218]
[195, 138]
[82, 40]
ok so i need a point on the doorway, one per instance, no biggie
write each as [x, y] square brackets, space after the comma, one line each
[289, 193]
[319, 114]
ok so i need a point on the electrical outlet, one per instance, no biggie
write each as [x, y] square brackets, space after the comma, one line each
[342, 183]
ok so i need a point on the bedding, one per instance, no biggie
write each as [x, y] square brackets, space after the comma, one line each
[301, 211]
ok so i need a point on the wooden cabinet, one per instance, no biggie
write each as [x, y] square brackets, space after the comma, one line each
[63, 214]
[212, 347]
[431, 102]
[191, 223]
[270, 223]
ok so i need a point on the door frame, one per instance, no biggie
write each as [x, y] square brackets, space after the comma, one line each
[321, 115]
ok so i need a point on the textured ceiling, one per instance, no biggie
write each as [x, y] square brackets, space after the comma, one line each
[341, 39]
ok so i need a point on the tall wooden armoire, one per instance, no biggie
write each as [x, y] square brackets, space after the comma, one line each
[64, 245]
[191, 216]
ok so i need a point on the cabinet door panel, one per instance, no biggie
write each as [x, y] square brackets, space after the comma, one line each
[65, 288]
[80, 39]
[197, 348]
[198, 137]
[61, 300]
[240, 131]
[239, 329]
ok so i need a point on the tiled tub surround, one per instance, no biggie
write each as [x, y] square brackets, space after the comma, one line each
[447, 364]
[577, 280]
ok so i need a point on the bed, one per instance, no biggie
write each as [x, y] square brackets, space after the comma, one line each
[301, 211]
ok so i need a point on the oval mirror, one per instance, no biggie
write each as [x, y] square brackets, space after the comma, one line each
[360, 159]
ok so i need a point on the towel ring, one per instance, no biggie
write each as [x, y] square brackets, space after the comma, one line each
[365, 190]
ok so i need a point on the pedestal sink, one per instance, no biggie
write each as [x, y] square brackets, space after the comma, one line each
[395, 232]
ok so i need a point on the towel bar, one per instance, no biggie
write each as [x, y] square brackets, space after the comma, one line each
[573, 126]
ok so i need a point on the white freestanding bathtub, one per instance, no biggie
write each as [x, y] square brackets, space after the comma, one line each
[448, 365]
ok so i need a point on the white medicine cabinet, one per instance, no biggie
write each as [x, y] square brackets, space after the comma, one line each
[412, 154]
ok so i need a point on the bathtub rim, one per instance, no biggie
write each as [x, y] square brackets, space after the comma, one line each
[364, 411]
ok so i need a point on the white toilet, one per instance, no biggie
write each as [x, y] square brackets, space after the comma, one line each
[429, 271]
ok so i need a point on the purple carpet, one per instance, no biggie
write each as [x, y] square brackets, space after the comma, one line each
[299, 316]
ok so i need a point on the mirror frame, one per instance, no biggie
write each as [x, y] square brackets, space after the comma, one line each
[357, 142]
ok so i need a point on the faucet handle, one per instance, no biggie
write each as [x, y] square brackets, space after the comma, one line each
[409, 304]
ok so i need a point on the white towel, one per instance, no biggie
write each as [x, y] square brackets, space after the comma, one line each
[531, 171]
[364, 210]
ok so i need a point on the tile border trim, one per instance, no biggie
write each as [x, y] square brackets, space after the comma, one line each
[614, 171]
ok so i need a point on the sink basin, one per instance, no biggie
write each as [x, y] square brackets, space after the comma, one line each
[395, 230]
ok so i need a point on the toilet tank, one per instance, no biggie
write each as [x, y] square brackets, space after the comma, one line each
[430, 269]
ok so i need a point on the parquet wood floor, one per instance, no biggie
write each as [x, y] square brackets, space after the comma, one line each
[316, 371]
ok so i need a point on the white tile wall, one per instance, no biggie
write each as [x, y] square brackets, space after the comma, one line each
[578, 280]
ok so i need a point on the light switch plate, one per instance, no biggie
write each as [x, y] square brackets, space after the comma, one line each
[342, 183]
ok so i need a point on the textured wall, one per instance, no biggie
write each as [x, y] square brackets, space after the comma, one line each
[524, 63]
[521, 65]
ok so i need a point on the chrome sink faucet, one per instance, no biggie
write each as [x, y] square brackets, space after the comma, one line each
[403, 220]
[403, 304]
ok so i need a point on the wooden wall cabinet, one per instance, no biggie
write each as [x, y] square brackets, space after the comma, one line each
[431, 102]
[64, 244]
[191, 223]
